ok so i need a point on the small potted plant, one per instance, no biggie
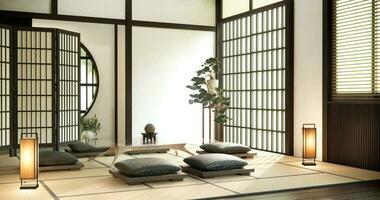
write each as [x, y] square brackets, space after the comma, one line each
[89, 128]
[205, 86]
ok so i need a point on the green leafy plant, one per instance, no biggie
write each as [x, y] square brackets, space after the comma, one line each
[90, 124]
[208, 95]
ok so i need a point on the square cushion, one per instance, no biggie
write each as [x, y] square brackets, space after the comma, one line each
[228, 148]
[54, 158]
[215, 162]
[147, 167]
[80, 147]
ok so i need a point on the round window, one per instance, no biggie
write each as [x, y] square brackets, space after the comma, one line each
[89, 81]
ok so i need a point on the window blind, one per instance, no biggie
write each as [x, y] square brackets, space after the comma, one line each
[355, 48]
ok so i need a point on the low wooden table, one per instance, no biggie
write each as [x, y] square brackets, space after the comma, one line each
[121, 149]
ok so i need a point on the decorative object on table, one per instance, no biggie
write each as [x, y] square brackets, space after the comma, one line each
[29, 161]
[309, 144]
[149, 128]
[89, 128]
[149, 138]
[207, 93]
[150, 135]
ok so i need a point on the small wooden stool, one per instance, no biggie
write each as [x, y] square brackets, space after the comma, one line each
[149, 138]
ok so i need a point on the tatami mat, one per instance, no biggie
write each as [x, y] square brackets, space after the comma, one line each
[83, 186]
[184, 192]
[12, 192]
[281, 183]
[272, 172]
[9, 178]
[67, 174]
[278, 169]
[186, 181]
[341, 170]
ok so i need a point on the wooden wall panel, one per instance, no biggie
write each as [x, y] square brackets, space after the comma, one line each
[354, 135]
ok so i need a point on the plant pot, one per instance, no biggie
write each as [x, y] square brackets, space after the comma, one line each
[87, 135]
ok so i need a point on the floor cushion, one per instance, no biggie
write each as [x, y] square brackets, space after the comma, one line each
[215, 162]
[54, 158]
[147, 167]
[228, 148]
[80, 147]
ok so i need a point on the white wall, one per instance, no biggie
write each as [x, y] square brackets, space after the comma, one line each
[93, 8]
[99, 40]
[307, 70]
[199, 12]
[164, 61]
[38, 6]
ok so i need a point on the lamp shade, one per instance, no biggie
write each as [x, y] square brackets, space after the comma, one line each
[309, 142]
[29, 160]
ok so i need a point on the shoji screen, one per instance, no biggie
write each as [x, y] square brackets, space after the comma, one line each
[68, 74]
[35, 83]
[254, 76]
[39, 85]
[4, 86]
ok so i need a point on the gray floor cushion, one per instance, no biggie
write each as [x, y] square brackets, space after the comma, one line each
[54, 158]
[215, 161]
[147, 167]
[80, 147]
[228, 148]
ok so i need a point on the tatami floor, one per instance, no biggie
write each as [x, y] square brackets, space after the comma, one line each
[273, 172]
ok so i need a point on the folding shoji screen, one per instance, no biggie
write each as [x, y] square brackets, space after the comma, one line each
[257, 68]
[39, 85]
[68, 102]
[5, 137]
[35, 83]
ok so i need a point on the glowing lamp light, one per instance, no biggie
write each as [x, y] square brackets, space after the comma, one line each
[29, 161]
[309, 144]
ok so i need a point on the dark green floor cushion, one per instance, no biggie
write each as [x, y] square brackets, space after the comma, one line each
[79, 147]
[54, 158]
[215, 162]
[228, 148]
[147, 167]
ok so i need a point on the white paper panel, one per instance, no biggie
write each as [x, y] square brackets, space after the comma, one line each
[93, 8]
[261, 3]
[234, 7]
[164, 61]
[199, 12]
[37, 6]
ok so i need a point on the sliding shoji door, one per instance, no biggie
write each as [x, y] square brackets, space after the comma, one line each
[257, 68]
[68, 73]
[35, 83]
[5, 137]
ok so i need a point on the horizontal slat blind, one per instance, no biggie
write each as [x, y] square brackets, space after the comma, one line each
[355, 48]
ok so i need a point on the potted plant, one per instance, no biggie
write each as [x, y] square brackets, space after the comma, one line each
[89, 128]
[205, 86]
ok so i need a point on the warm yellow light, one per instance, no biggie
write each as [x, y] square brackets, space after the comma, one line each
[29, 162]
[309, 142]
[28, 159]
